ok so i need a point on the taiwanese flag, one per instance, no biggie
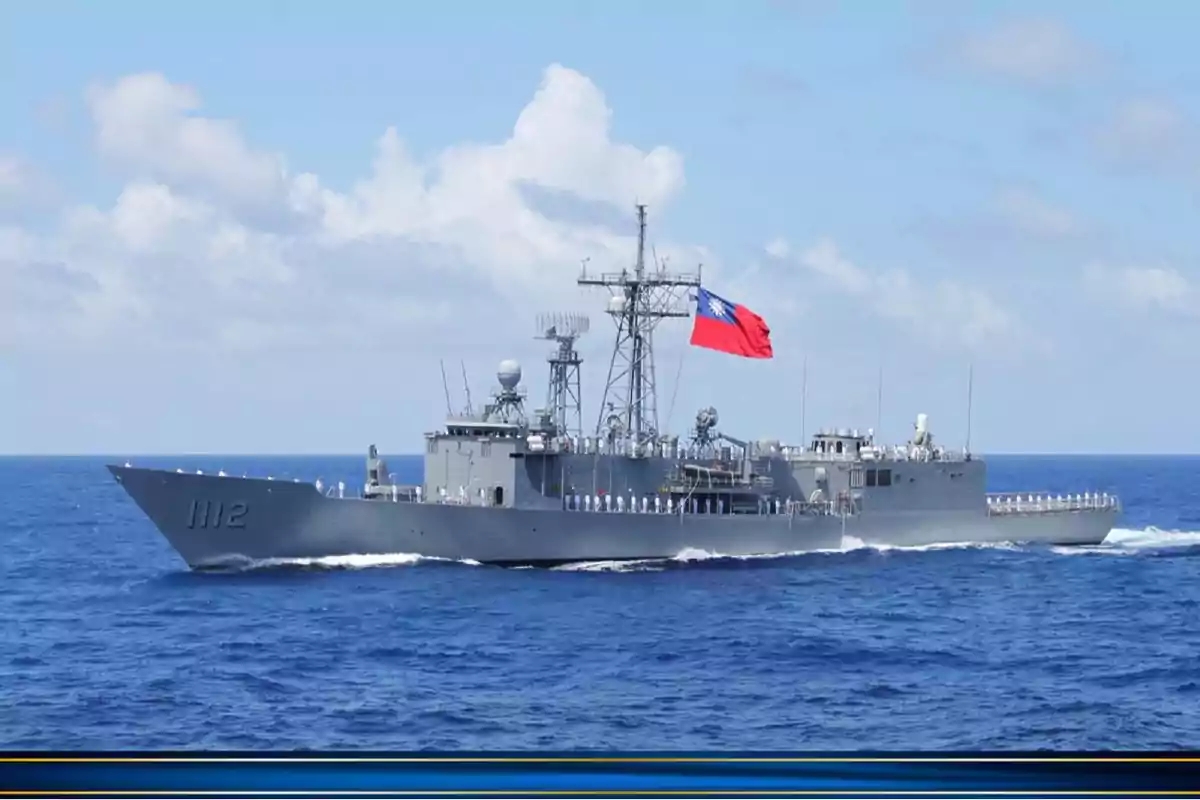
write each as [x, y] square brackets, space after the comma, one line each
[729, 328]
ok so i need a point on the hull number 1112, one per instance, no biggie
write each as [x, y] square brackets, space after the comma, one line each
[206, 514]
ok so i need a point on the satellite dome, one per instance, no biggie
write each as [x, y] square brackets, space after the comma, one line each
[616, 305]
[509, 374]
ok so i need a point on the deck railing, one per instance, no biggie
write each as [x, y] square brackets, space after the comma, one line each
[1044, 503]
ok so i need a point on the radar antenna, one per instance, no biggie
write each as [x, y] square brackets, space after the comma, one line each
[563, 395]
[508, 405]
[639, 301]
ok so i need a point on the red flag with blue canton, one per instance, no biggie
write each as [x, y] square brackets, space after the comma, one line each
[729, 327]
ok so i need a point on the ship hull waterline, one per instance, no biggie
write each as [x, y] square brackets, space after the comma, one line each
[216, 522]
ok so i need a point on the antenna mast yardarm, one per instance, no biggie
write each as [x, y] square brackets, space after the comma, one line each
[638, 302]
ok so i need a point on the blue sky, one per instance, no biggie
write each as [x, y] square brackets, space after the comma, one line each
[258, 227]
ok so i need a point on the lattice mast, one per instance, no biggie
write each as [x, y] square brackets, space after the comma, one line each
[638, 302]
[563, 394]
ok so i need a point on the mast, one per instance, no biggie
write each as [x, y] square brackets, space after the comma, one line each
[563, 396]
[803, 403]
[970, 394]
[879, 402]
[446, 389]
[638, 302]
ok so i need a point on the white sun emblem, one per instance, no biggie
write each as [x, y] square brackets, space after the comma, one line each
[716, 307]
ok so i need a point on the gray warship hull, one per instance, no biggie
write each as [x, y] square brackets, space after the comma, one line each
[1063, 526]
[216, 522]
[220, 522]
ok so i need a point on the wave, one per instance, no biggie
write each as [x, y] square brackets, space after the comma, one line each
[1132, 541]
[852, 543]
[1121, 541]
[342, 562]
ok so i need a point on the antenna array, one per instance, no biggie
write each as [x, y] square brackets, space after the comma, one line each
[639, 301]
[564, 395]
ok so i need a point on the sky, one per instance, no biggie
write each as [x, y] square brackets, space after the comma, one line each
[263, 227]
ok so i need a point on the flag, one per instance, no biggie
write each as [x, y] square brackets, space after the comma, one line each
[729, 327]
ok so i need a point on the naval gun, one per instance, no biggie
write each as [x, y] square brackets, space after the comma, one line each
[376, 467]
[379, 481]
[728, 470]
[707, 439]
[921, 447]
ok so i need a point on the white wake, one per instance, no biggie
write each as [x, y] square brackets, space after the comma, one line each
[852, 543]
[344, 562]
[1131, 541]
[1121, 541]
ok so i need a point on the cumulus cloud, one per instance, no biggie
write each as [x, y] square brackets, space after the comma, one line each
[183, 257]
[1154, 288]
[11, 174]
[561, 141]
[1031, 214]
[1015, 225]
[1038, 52]
[1152, 133]
[148, 124]
[945, 312]
[778, 248]
[20, 186]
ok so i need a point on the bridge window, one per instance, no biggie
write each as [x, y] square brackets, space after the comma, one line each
[871, 477]
[498, 496]
[839, 447]
[885, 477]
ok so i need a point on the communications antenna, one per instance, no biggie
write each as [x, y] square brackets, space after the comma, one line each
[639, 301]
[563, 395]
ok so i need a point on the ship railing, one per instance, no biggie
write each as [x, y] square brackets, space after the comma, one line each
[1046, 503]
[702, 506]
[880, 454]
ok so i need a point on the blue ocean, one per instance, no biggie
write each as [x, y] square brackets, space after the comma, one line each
[110, 643]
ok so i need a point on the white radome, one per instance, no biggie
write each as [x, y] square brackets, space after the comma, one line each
[509, 373]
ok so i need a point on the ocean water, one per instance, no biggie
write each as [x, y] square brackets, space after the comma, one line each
[109, 643]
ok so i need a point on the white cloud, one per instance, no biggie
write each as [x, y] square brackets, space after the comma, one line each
[181, 258]
[149, 124]
[1032, 51]
[1031, 214]
[12, 176]
[1152, 133]
[16, 247]
[778, 248]
[825, 259]
[1156, 288]
[1146, 123]
[21, 188]
[944, 311]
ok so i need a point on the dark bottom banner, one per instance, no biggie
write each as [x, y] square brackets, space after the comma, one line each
[623, 775]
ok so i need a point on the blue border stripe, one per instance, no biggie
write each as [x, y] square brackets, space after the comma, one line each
[659, 775]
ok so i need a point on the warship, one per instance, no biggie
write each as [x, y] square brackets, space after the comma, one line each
[511, 486]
